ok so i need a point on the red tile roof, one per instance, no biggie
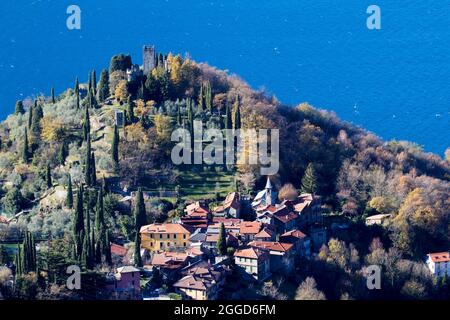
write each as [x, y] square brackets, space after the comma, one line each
[250, 227]
[264, 233]
[273, 246]
[196, 209]
[251, 253]
[285, 216]
[164, 228]
[440, 256]
[295, 234]
[118, 250]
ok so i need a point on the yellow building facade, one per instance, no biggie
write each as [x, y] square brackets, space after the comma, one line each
[162, 237]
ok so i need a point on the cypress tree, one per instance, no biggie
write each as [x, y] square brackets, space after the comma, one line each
[69, 198]
[178, 115]
[77, 87]
[115, 148]
[222, 241]
[26, 150]
[85, 252]
[88, 163]
[237, 115]
[228, 124]
[89, 81]
[208, 96]
[38, 114]
[201, 98]
[103, 86]
[107, 249]
[100, 228]
[78, 226]
[137, 250]
[86, 124]
[18, 262]
[52, 94]
[19, 107]
[30, 117]
[48, 176]
[93, 170]
[26, 258]
[94, 82]
[78, 101]
[130, 110]
[99, 213]
[309, 181]
[63, 153]
[139, 211]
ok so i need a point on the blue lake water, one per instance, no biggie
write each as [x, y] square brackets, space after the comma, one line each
[394, 81]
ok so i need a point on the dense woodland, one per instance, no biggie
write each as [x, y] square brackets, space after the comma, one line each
[63, 161]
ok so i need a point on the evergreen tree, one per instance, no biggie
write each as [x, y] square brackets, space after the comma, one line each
[19, 107]
[103, 86]
[178, 115]
[100, 213]
[63, 153]
[18, 261]
[86, 124]
[208, 96]
[201, 98]
[38, 114]
[26, 150]
[77, 87]
[52, 94]
[152, 89]
[139, 211]
[69, 198]
[107, 250]
[94, 83]
[89, 82]
[228, 124]
[48, 176]
[26, 260]
[237, 115]
[165, 86]
[222, 241]
[115, 148]
[30, 117]
[93, 170]
[88, 163]
[137, 250]
[78, 226]
[85, 252]
[130, 110]
[78, 101]
[309, 181]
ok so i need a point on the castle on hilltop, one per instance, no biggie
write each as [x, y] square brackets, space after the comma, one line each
[150, 60]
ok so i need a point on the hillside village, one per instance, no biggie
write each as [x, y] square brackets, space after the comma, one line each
[87, 180]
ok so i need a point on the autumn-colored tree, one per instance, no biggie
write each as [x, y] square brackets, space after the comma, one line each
[121, 91]
[308, 291]
[287, 192]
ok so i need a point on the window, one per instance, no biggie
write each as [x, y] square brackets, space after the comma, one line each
[174, 236]
[184, 236]
[168, 236]
[151, 244]
[160, 236]
[184, 244]
[168, 244]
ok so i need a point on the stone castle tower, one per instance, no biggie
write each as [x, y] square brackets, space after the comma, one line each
[149, 57]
